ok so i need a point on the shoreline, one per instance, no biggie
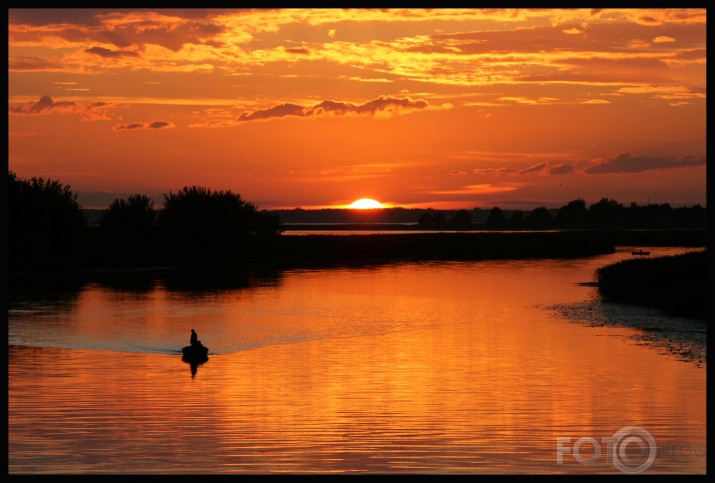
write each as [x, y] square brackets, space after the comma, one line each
[680, 337]
[676, 284]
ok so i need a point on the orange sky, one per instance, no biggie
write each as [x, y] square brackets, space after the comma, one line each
[315, 108]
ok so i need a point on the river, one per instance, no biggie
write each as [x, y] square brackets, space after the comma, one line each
[433, 367]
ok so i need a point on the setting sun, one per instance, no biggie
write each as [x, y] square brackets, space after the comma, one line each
[365, 204]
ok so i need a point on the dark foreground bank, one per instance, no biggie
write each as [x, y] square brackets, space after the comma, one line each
[100, 252]
[676, 284]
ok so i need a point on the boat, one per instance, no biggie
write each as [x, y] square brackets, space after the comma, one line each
[195, 353]
[640, 252]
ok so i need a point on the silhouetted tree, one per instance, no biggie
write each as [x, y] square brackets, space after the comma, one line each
[496, 218]
[657, 213]
[573, 213]
[45, 220]
[606, 210]
[221, 217]
[133, 216]
[462, 219]
[539, 217]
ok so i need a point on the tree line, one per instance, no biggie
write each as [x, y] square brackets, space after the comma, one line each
[48, 226]
[576, 214]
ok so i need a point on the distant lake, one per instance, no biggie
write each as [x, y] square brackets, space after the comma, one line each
[434, 367]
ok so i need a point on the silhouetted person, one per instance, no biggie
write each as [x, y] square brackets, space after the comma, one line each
[194, 338]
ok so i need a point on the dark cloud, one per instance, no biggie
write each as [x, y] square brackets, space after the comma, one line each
[298, 50]
[44, 106]
[144, 125]
[277, 111]
[111, 54]
[53, 16]
[537, 168]
[377, 106]
[93, 16]
[142, 26]
[173, 37]
[627, 163]
[134, 125]
[159, 124]
[561, 169]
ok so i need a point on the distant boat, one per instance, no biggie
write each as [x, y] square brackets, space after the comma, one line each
[640, 252]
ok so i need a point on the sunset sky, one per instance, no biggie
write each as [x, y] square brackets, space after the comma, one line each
[317, 108]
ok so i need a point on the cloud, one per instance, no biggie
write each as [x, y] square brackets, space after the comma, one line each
[144, 125]
[561, 169]
[121, 27]
[43, 106]
[297, 50]
[533, 169]
[528, 100]
[663, 38]
[496, 171]
[541, 168]
[111, 54]
[366, 79]
[627, 163]
[27, 63]
[95, 111]
[479, 189]
[476, 54]
[381, 107]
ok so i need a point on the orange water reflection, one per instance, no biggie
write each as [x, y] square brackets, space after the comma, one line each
[449, 368]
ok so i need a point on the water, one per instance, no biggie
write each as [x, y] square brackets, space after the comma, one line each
[449, 367]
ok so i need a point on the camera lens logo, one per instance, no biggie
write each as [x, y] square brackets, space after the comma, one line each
[631, 449]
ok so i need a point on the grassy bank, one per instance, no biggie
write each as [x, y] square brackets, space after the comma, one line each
[676, 283]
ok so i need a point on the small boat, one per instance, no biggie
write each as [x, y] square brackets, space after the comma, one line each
[640, 252]
[195, 352]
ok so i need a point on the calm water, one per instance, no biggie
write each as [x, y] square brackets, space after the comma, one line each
[445, 367]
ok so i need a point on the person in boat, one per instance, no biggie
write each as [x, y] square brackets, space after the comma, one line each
[194, 338]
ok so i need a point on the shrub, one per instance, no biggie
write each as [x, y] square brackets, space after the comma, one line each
[201, 214]
[133, 216]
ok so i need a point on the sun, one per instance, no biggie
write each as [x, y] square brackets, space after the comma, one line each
[365, 204]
